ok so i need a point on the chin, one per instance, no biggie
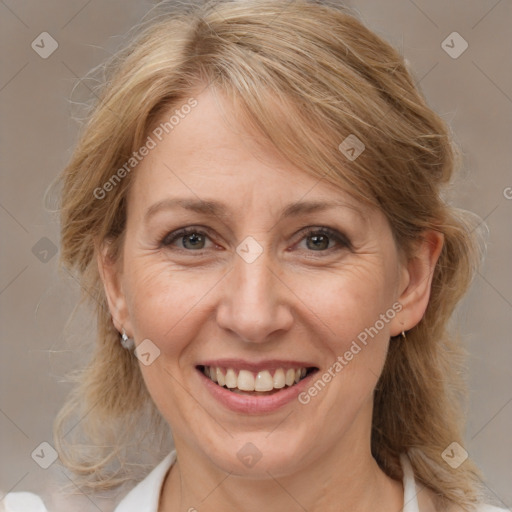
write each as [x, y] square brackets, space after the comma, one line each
[255, 455]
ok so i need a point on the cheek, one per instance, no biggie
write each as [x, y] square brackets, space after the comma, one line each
[166, 305]
[350, 299]
[164, 302]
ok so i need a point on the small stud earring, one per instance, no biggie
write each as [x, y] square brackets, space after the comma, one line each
[127, 342]
[403, 335]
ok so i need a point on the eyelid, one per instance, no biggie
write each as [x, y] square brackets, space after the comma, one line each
[334, 234]
[182, 232]
[338, 236]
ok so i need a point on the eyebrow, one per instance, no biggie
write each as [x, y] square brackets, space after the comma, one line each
[219, 209]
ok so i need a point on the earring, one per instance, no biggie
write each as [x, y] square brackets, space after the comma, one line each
[403, 335]
[126, 342]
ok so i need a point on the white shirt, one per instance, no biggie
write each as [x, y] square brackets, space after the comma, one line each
[145, 496]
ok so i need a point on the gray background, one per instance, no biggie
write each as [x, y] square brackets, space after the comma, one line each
[39, 340]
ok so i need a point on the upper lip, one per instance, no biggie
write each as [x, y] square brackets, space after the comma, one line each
[255, 366]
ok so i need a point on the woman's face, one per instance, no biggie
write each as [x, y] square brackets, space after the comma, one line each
[278, 274]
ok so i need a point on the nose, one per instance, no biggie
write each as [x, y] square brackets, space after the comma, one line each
[255, 301]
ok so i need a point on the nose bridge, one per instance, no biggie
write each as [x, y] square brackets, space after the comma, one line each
[254, 304]
[254, 281]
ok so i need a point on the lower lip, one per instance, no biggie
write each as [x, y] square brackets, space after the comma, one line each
[254, 404]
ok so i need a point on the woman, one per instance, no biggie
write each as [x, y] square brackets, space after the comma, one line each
[256, 207]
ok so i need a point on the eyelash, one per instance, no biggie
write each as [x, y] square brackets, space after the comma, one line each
[341, 239]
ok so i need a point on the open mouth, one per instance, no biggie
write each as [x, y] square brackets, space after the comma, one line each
[264, 382]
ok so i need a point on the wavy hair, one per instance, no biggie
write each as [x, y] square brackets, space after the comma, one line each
[303, 75]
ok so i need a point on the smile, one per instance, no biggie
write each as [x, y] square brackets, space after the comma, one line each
[264, 382]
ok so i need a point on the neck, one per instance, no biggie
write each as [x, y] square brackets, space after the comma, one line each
[339, 481]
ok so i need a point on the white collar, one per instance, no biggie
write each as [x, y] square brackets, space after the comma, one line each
[410, 489]
[146, 495]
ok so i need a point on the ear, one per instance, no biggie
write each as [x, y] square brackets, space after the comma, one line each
[416, 281]
[110, 271]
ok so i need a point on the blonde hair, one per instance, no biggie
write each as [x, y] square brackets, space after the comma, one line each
[304, 75]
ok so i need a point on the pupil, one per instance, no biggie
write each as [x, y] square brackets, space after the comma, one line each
[320, 241]
[194, 239]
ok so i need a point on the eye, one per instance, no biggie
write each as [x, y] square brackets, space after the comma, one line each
[320, 239]
[323, 239]
[187, 238]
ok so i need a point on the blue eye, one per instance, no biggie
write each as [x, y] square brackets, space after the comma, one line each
[319, 239]
[191, 239]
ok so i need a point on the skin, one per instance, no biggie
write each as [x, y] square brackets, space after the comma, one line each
[295, 301]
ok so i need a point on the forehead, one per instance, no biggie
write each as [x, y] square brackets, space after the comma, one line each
[208, 155]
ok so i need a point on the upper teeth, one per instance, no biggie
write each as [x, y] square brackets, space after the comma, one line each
[250, 381]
